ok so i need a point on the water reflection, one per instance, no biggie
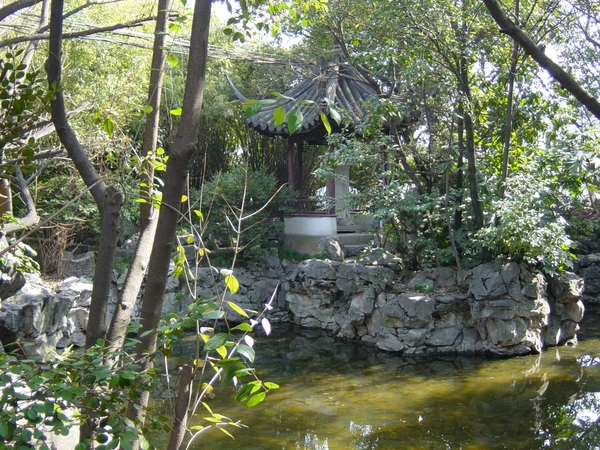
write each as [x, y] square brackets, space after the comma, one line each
[339, 396]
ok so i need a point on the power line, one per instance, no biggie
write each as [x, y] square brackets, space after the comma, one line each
[28, 25]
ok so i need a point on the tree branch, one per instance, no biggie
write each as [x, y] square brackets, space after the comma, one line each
[558, 73]
[77, 34]
[31, 217]
[59, 116]
[13, 7]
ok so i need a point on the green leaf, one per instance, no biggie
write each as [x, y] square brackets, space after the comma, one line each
[278, 94]
[246, 352]
[175, 112]
[236, 307]
[210, 315]
[173, 60]
[218, 340]
[233, 285]
[279, 116]
[326, 123]
[335, 115]
[222, 351]
[243, 327]
[243, 394]
[147, 109]
[252, 110]
[4, 430]
[294, 120]
[226, 432]
[144, 444]
[256, 399]
[271, 385]
[109, 127]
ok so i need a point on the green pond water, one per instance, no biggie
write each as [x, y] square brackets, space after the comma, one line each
[336, 395]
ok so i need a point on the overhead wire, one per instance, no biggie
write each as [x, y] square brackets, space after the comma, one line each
[28, 25]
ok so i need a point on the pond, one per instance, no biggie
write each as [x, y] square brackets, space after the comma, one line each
[337, 395]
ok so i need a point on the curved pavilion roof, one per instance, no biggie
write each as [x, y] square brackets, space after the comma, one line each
[341, 83]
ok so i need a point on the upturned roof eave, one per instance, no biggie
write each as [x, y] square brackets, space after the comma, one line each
[343, 85]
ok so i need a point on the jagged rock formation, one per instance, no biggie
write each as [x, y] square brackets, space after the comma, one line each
[506, 310]
[501, 307]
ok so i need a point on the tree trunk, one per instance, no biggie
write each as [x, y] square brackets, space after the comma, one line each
[509, 112]
[184, 391]
[31, 48]
[15, 6]
[405, 164]
[148, 217]
[468, 124]
[558, 73]
[121, 318]
[154, 97]
[108, 199]
[31, 217]
[459, 164]
[175, 181]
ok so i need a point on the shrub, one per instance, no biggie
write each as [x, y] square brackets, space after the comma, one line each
[529, 226]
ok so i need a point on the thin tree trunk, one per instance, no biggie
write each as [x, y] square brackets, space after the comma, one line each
[31, 217]
[148, 217]
[514, 59]
[181, 407]
[108, 199]
[121, 317]
[459, 163]
[154, 97]
[468, 124]
[455, 252]
[32, 47]
[405, 165]
[175, 181]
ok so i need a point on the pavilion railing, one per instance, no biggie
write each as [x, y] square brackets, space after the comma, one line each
[311, 207]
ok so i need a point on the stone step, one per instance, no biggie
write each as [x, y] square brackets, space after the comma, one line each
[354, 250]
[348, 228]
[354, 238]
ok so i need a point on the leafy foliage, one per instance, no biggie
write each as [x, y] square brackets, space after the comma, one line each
[39, 397]
[528, 224]
[23, 100]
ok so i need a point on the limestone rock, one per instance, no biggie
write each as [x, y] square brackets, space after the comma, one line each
[389, 342]
[34, 314]
[380, 257]
[487, 282]
[443, 337]
[566, 287]
[332, 247]
[575, 311]
[80, 266]
[317, 270]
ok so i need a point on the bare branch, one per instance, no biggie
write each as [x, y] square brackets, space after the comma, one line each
[31, 218]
